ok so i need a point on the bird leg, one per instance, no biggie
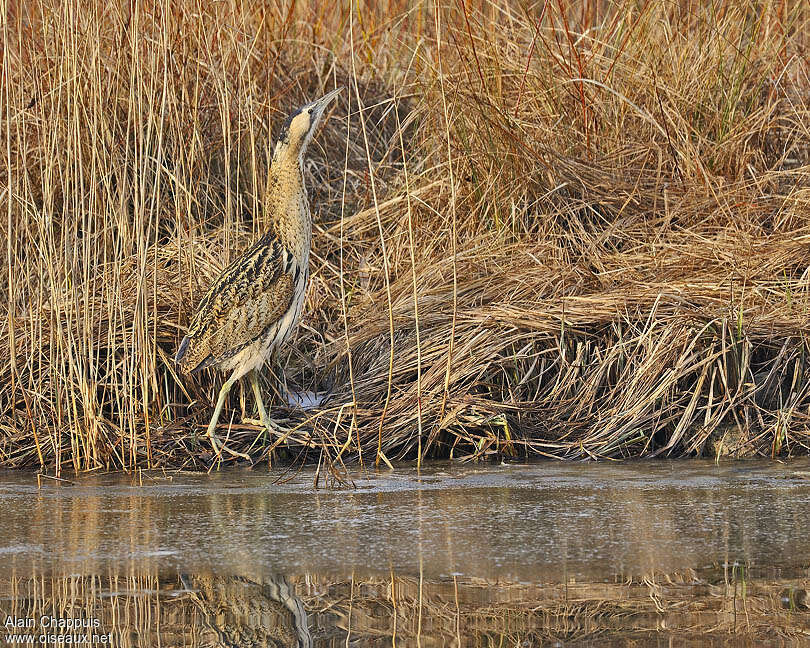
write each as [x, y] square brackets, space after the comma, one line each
[215, 442]
[266, 422]
[254, 383]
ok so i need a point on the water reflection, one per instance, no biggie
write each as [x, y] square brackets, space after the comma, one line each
[241, 612]
[680, 553]
[689, 608]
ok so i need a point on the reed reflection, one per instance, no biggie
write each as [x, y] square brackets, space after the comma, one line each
[486, 555]
[144, 608]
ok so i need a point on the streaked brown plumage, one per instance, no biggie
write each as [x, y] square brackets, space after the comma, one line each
[255, 304]
[256, 289]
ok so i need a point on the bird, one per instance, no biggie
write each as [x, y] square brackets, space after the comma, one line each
[255, 304]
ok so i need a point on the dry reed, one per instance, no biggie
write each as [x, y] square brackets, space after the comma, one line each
[569, 230]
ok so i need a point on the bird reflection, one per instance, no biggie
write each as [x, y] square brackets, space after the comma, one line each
[244, 613]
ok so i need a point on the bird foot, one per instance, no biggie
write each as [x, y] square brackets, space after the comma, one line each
[219, 447]
[270, 425]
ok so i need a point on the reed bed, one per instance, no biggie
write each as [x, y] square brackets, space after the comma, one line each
[576, 230]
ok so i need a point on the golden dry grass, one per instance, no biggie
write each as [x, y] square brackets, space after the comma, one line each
[578, 230]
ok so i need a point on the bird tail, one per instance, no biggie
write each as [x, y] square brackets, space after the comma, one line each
[181, 350]
[185, 359]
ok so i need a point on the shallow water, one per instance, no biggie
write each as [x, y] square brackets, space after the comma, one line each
[634, 553]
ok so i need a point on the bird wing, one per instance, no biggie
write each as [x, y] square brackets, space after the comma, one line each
[251, 294]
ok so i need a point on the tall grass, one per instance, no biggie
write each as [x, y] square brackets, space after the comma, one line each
[577, 230]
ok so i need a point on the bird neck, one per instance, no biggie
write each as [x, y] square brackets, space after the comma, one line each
[287, 205]
[288, 161]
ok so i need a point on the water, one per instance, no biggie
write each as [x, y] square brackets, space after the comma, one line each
[569, 554]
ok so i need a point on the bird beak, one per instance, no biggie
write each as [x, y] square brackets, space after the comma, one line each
[320, 104]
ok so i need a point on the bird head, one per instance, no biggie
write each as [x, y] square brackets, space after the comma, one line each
[299, 127]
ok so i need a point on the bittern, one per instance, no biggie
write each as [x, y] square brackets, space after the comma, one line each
[254, 305]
